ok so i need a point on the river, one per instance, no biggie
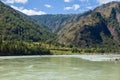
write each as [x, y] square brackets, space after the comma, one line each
[66, 67]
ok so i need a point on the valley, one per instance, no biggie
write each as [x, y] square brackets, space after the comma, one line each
[94, 31]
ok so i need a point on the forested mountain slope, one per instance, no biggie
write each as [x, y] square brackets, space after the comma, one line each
[17, 26]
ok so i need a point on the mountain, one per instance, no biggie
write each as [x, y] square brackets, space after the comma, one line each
[95, 27]
[56, 22]
[15, 25]
[53, 22]
[101, 26]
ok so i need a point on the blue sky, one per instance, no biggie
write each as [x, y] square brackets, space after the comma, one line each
[40, 7]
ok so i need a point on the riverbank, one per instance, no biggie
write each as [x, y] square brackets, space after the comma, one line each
[71, 51]
[19, 48]
[99, 57]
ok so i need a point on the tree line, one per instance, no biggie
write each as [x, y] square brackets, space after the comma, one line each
[19, 48]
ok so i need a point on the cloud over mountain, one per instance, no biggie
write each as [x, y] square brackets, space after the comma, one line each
[67, 0]
[17, 1]
[73, 7]
[28, 11]
[47, 6]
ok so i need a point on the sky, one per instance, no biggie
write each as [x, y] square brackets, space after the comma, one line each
[41, 7]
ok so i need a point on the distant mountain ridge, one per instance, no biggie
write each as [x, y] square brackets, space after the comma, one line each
[99, 26]
[53, 22]
[57, 21]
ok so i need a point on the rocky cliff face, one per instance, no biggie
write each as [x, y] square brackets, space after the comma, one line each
[98, 27]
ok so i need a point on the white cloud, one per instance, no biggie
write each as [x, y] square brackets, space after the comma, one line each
[47, 6]
[90, 7]
[74, 7]
[67, 0]
[35, 8]
[17, 1]
[67, 8]
[105, 1]
[28, 11]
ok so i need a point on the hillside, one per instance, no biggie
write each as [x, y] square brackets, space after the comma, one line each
[53, 22]
[97, 27]
[101, 26]
[17, 26]
[56, 22]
